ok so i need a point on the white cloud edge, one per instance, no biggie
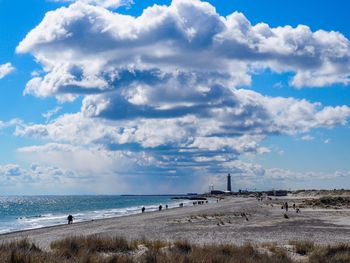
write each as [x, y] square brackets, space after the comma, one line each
[113, 4]
[6, 69]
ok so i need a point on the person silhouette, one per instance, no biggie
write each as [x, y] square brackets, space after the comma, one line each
[70, 219]
[143, 209]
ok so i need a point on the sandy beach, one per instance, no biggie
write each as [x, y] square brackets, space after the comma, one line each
[218, 223]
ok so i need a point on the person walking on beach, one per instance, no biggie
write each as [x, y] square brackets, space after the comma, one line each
[286, 206]
[70, 219]
[160, 208]
[143, 209]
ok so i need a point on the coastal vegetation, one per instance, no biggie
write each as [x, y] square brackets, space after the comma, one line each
[102, 249]
[303, 247]
[335, 202]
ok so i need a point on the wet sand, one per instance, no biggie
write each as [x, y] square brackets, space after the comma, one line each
[212, 223]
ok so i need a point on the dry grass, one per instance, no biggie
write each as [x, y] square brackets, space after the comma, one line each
[77, 250]
[154, 244]
[303, 247]
[184, 252]
[331, 254]
[183, 246]
[76, 246]
[329, 202]
[98, 249]
[24, 251]
[335, 192]
[274, 248]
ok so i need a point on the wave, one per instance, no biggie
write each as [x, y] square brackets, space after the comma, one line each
[51, 219]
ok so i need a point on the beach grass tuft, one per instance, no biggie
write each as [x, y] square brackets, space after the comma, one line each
[154, 244]
[183, 246]
[303, 247]
[339, 253]
[23, 251]
[74, 245]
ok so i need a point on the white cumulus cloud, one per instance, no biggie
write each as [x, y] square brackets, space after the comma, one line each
[6, 69]
[188, 36]
[104, 3]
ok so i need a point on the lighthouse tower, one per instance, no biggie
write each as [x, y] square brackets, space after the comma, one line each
[228, 183]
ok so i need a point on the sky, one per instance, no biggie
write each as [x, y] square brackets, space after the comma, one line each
[160, 96]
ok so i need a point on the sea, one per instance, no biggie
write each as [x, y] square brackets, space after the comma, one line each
[29, 212]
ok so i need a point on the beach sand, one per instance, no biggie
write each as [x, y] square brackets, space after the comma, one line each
[220, 222]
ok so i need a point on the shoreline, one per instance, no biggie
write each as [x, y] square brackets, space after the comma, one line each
[85, 221]
[51, 219]
[214, 223]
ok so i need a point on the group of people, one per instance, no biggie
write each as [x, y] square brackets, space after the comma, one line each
[285, 206]
[160, 207]
[143, 209]
[200, 202]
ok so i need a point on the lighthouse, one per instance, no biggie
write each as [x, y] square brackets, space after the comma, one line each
[228, 183]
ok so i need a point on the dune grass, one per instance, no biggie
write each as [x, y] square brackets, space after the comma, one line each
[331, 254]
[99, 249]
[303, 247]
[339, 253]
[92, 244]
[328, 202]
[23, 251]
[182, 251]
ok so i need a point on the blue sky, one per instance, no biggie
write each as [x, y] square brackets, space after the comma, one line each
[169, 96]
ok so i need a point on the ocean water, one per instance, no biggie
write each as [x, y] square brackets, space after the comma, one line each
[28, 212]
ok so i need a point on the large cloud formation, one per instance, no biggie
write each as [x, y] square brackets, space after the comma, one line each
[169, 82]
[101, 50]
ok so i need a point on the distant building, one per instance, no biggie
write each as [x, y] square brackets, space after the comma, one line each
[216, 192]
[229, 183]
[277, 193]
